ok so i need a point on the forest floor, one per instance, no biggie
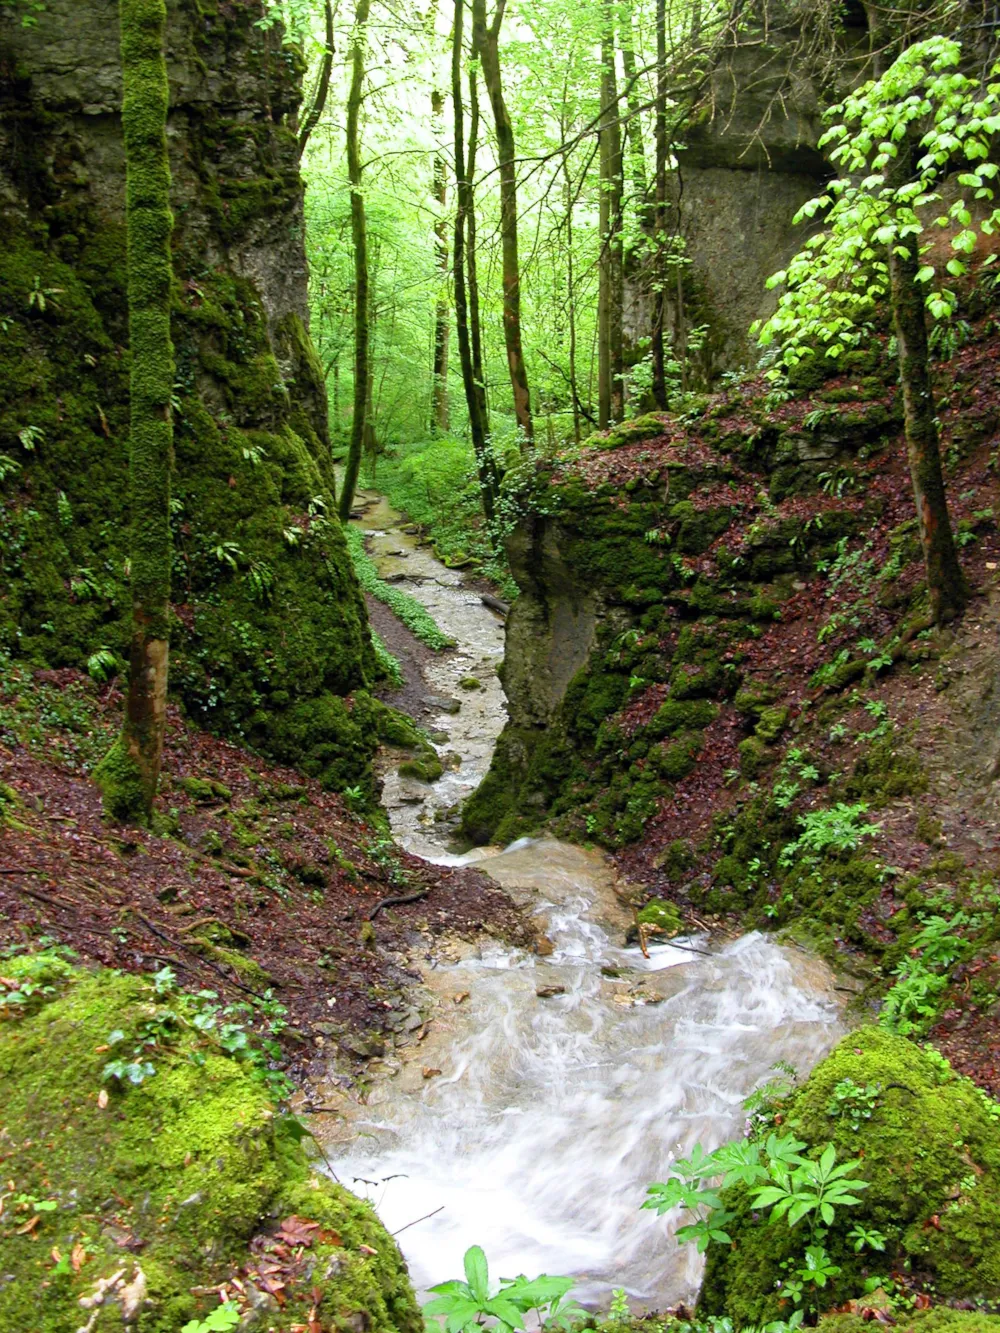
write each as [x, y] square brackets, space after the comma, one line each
[930, 715]
[257, 883]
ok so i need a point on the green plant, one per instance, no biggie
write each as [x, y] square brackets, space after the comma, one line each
[412, 613]
[854, 1103]
[840, 828]
[466, 1304]
[31, 437]
[9, 467]
[227, 1316]
[102, 665]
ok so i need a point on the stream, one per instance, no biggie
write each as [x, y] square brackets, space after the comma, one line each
[529, 1114]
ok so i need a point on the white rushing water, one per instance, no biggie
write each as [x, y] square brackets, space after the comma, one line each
[549, 1116]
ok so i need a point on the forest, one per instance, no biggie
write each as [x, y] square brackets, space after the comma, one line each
[499, 708]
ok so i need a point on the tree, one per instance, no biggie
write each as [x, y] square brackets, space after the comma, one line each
[439, 374]
[466, 319]
[611, 398]
[315, 112]
[874, 246]
[129, 773]
[359, 237]
[486, 37]
[660, 212]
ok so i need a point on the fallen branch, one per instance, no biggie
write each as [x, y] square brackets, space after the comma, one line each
[397, 901]
[494, 603]
[418, 1219]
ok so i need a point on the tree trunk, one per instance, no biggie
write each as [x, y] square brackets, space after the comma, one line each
[660, 213]
[571, 298]
[129, 773]
[485, 465]
[475, 323]
[323, 86]
[487, 43]
[945, 581]
[442, 317]
[359, 235]
[636, 148]
[612, 396]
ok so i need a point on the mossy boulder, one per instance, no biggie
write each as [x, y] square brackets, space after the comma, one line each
[772, 722]
[937, 1320]
[171, 1179]
[931, 1155]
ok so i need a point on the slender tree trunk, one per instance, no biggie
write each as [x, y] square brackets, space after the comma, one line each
[636, 148]
[660, 213]
[945, 581]
[485, 466]
[475, 323]
[571, 297]
[442, 317]
[323, 86]
[359, 235]
[612, 396]
[129, 773]
[604, 266]
[487, 43]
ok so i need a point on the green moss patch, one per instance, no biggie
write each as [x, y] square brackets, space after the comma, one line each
[931, 1154]
[184, 1178]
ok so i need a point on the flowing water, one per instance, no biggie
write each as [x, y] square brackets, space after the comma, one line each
[546, 1092]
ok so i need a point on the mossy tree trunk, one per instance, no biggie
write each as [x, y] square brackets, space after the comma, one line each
[487, 41]
[945, 581]
[323, 83]
[660, 212]
[466, 318]
[130, 772]
[359, 235]
[442, 319]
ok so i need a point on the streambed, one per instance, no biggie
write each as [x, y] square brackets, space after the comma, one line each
[546, 1091]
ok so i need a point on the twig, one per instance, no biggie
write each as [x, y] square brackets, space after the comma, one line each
[16, 870]
[397, 900]
[418, 1219]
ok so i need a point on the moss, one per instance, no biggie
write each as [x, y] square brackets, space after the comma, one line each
[425, 769]
[189, 1166]
[124, 790]
[937, 1320]
[646, 427]
[682, 715]
[204, 789]
[890, 769]
[755, 696]
[676, 859]
[930, 1151]
[772, 722]
[676, 759]
[661, 914]
[755, 756]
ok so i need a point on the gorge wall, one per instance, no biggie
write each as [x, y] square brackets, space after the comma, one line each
[270, 632]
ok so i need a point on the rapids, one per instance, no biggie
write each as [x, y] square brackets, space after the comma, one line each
[567, 1082]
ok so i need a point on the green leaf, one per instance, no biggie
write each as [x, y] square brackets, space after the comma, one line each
[477, 1272]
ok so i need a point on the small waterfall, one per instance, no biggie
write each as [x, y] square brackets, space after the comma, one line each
[551, 1113]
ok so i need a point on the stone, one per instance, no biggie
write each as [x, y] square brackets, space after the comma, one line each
[547, 992]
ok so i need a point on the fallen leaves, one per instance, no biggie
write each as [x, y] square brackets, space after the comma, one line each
[296, 1230]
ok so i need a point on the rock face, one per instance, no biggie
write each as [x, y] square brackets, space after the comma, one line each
[270, 631]
[648, 567]
[745, 169]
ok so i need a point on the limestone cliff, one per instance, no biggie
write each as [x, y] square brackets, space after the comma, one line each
[269, 630]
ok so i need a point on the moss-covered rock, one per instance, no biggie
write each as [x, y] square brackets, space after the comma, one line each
[931, 1156]
[171, 1178]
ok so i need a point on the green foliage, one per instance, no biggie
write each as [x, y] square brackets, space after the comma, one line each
[922, 975]
[412, 613]
[227, 1316]
[200, 1145]
[930, 1150]
[839, 828]
[833, 286]
[466, 1304]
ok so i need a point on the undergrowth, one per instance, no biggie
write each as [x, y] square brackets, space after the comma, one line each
[414, 616]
